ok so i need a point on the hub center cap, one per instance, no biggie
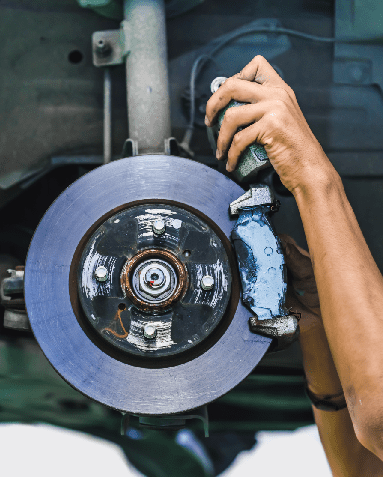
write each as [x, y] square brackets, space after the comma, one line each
[153, 279]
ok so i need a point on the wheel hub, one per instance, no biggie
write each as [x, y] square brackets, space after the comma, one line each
[154, 279]
[165, 285]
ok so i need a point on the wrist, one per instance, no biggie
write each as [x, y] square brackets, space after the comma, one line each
[320, 180]
[327, 402]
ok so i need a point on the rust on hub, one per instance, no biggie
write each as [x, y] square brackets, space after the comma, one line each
[150, 254]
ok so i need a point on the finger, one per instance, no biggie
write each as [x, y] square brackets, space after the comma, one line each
[297, 259]
[310, 319]
[260, 71]
[242, 139]
[233, 119]
[287, 239]
[298, 263]
[302, 279]
[238, 90]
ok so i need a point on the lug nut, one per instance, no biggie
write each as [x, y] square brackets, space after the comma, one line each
[158, 227]
[101, 274]
[149, 331]
[207, 282]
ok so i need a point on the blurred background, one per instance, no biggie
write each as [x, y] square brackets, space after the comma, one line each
[45, 447]
[51, 134]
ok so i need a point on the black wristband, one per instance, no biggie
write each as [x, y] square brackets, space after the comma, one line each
[333, 402]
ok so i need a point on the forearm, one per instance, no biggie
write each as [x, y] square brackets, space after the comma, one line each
[345, 455]
[347, 278]
[350, 291]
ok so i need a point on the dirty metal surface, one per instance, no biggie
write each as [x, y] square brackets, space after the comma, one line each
[120, 306]
[118, 384]
[261, 263]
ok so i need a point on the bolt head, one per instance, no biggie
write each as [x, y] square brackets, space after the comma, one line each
[207, 282]
[149, 331]
[101, 274]
[103, 48]
[158, 227]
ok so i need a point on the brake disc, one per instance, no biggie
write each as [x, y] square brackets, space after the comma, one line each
[132, 288]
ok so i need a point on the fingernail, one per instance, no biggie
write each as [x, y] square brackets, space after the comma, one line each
[206, 120]
[218, 154]
[228, 168]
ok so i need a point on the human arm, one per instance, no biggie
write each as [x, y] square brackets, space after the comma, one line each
[350, 291]
[348, 281]
[345, 454]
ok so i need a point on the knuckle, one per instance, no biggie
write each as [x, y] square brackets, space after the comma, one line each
[291, 93]
[259, 59]
[287, 94]
[246, 74]
[281, 106]
[229, 116]
[279, 122]
[230, 84]
[237, 140]
[283, 94]
[269, 120]
[274, 120]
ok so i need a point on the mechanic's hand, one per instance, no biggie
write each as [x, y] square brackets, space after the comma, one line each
[273, 118]
[302, 298]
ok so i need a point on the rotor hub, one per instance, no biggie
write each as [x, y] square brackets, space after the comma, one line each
[160, 294]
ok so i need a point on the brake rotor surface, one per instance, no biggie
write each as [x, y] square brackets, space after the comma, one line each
[104, 369]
